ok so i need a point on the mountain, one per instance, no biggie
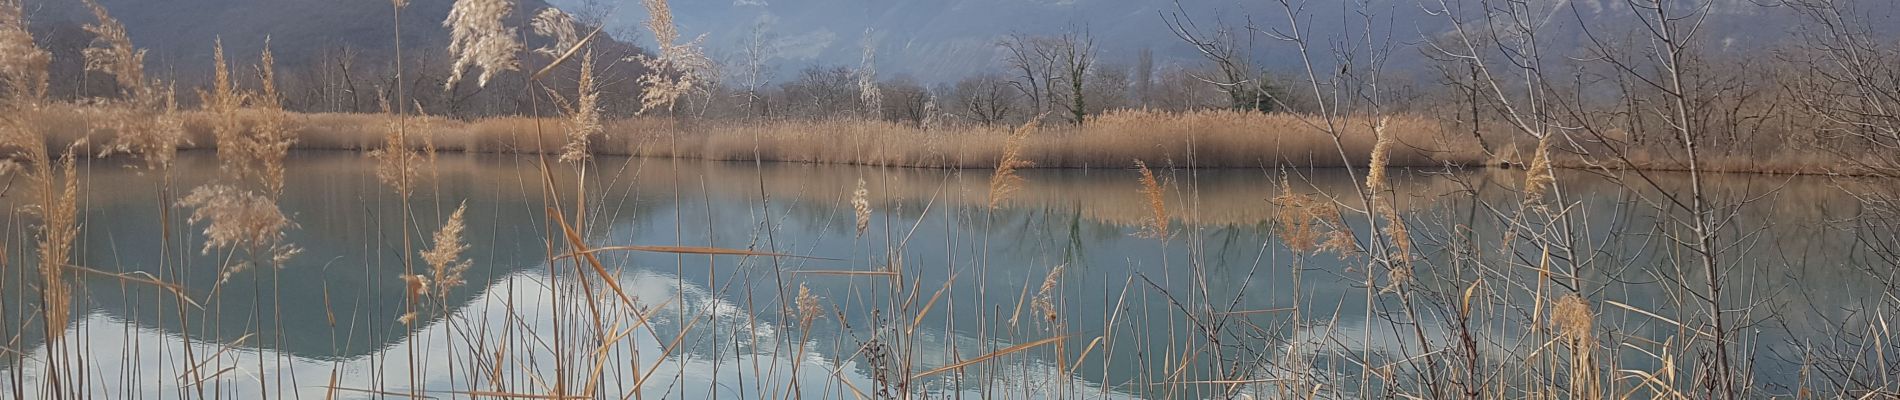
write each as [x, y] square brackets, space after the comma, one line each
[939, 40]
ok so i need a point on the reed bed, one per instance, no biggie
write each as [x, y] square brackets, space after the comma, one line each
[1115, 140]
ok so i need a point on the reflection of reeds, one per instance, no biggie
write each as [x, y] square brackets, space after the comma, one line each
[1005, 180]
[1151, 189]
[1304, 220]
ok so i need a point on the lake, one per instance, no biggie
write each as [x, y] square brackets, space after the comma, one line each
[1221, 307]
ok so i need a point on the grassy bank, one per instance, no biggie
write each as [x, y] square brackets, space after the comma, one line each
[1208, 139]
[1203, 139]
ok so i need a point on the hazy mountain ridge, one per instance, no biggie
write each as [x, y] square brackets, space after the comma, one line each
[942, 40]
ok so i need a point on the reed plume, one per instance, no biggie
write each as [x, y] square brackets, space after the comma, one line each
[270, 138]
[808, 308]
[151, 127]
[446, 264]
[679, 69]
[1381, 157]
[243, 220]
[479, 38]
[112, 51]
[396, 164]
[1004, 180]
[1396, 231]
[223, 101]
[1151, 189]
[1538, 177]
[861, 205]
[1304, 220]
[583, 114]
[55, 191]
[57, 205]
[558, 25]
[1045, 302]
[868, 93]
[240, 210]
[1575, 325]
[22, 62]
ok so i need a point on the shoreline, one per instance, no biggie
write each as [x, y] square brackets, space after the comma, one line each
[1212, 139]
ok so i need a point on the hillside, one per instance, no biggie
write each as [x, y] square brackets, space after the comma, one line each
[940, 40]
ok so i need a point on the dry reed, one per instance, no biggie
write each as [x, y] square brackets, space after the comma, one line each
[446, 264]
[555, 24]
[1005, 180]
[240, 219]
[1304, 220]
[1045, 302]
[861, 206]
[1381, 158]
[112, 51]
[1538, 177]
[151, 128]
[583, 114]
[478, 37]
[808, 308]
[57, 205]
[240, 210]
[1575, 325]
[22, 62]
[396, 161]
[679, 69]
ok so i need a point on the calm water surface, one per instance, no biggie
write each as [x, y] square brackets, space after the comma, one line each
[330, 317]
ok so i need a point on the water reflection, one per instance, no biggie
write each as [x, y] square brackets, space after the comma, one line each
[330, 318]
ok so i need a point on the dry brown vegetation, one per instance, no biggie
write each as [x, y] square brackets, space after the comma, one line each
[1114, 140]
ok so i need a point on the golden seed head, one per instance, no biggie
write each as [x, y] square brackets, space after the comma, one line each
[445, 258]
[1573, 319]
[479, 38]
[1538, 177]
[861, 205]
[807, 303]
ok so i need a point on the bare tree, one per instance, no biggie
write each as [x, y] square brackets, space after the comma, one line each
[1229, 49]
[1144, 77]
[1107, 87]
[903, 100]
[760, 46]
[985, 98]
[1032, 61]
[1074, 53]
[822, 93]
